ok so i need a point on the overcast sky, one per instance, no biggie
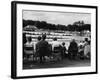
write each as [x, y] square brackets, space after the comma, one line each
[63, 18]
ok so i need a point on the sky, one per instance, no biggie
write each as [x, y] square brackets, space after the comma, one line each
[63, 18]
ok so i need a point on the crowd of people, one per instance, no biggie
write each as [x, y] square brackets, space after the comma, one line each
[55, 51]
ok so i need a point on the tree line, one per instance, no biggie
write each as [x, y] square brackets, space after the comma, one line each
[76, 26]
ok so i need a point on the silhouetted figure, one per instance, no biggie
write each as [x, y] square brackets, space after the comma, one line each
[42, 48]
[63, 50]
[24, 41]
[24, 38]
[39, 38]
[36, 48]
[73, 49]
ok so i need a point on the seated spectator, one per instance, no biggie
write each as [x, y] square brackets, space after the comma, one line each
[56, 48]
[55, 43]
[29, 48]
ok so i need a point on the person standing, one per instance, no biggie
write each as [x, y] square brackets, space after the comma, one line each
[36, 48]
[42, 48]
[73, 49]
[63, 50]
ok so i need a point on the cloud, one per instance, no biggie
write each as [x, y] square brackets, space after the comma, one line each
[57, 17]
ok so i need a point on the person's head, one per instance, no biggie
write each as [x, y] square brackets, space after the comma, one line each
[43, 36]
[86, 39]
[39, 38]
[29, 39]
[63, 43]
[81, 41]
[81, 46]
[55, 39]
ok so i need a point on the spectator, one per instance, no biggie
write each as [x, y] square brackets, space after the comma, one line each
[24, 41]
[42, 48]
[39, 38]
[29, 48]
[81, 43]
[55, 43]
[36, 48]
[73, 49]
[85, 42]
[24, 38]
[56, 48]
[86, 48]
[63, 50]
[81, 50]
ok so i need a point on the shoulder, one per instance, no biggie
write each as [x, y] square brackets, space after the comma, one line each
[38, 43]
[32, 43]
[25, 44]
[52, 42]
[45, 41]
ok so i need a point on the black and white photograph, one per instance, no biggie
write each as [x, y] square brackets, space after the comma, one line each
[56, 39]
[53, 39]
